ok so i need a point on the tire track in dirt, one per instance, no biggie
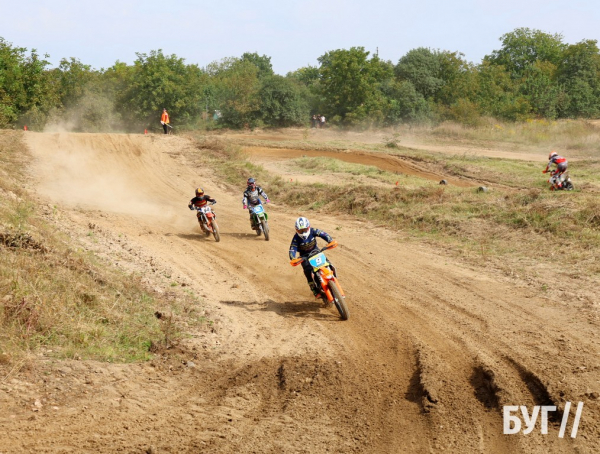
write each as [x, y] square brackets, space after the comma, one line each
[382, 161]
[431, 352]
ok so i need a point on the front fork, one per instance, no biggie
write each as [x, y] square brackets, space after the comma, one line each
[324, 280]
[205, 223]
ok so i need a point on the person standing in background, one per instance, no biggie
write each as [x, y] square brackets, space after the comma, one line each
[164, 120]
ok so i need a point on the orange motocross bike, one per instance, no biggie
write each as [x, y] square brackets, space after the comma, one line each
[324, 276]
[208, 224]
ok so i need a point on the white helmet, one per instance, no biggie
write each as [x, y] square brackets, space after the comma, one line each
[302, 227]
[552, 154]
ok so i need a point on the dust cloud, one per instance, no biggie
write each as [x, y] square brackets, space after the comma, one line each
[93, 172]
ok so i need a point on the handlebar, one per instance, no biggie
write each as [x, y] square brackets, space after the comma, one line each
[298, 260]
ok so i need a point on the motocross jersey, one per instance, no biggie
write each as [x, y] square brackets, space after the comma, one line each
[201, 201]
[251, 196]
[560, 162]
[305, 246]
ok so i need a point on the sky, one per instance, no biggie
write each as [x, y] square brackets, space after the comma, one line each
[293, 33]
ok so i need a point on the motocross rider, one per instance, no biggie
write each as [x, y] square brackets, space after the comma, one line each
[561, 167]
[200, 200]
[303, 243]
[251, 197]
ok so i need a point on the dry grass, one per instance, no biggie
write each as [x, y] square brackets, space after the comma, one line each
[54, 296]
[524, 221]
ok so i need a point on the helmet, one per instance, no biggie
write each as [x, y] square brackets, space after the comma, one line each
[251, 182]
[302, 227]
[199, 192]
[552, 153]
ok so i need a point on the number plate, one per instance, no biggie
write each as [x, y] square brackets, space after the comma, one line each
[318, 261]
[258, 209]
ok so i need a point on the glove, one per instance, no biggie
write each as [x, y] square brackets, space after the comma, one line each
[245, 207]
[267, 201]
[214, 202]
[191, 207]
[544, 171]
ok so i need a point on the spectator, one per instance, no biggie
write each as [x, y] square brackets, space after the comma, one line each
[164, 120]
[322, 121]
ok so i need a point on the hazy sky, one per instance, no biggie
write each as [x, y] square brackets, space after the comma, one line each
[293, 33]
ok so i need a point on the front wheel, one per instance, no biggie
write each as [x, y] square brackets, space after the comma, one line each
[255, 225]
[215, 229]
[265, 228]
[339, 300]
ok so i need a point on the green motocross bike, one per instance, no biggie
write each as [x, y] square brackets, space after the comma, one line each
[259, 219]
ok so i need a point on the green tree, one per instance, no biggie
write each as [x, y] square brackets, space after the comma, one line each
[421, 67]
[523, 47]
[497, 94]
[539, 86]
[350, 85]
[406, 104]
[237, 90]
[27, 91]
[159, 81]
[282, 102]
[263, 63]
[579, 73]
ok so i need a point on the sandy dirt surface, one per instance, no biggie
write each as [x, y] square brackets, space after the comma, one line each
[404, 139]
[267, 156]
[432, 351]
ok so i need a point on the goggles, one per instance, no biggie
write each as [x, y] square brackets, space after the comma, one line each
[303, 230]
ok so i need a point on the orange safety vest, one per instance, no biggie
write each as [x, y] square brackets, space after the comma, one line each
[165, 117]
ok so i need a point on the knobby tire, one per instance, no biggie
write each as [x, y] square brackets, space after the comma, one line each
[339, 301]
[215, 228]
[265, 228]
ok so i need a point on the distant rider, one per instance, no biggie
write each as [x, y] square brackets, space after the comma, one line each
[303, 243]
[251, 196]
[561, 167]
[200, 200]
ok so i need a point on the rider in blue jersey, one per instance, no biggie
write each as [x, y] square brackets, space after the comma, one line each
[303, 243]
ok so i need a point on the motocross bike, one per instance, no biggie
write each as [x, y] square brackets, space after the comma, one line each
[258, 218]
[208, 224]
[325, 278]
[560, 182]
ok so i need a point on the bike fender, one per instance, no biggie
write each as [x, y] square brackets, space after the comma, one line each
[324, 285]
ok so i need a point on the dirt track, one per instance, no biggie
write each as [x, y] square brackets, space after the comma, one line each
[432, 351]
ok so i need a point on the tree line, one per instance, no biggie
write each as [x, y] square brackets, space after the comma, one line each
[534, 74]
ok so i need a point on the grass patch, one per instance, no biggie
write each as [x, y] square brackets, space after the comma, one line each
[55, 296]
[520, 218]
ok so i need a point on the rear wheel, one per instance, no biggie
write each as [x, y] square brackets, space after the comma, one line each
[339, 301]
[215, 228]
[265, 228]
